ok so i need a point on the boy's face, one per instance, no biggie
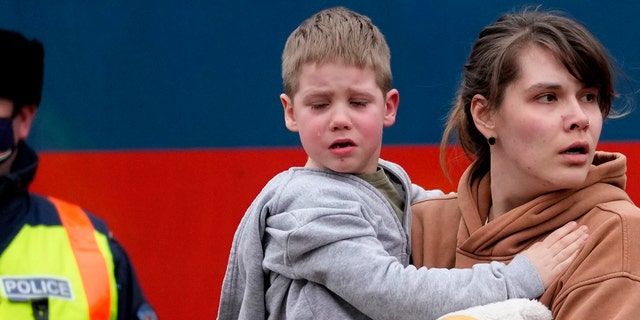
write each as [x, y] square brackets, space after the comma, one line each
[339, 112]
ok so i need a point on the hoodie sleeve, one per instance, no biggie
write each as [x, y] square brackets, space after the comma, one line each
[331, 237]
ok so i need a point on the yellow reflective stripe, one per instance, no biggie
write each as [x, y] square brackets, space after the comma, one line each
[91, 262]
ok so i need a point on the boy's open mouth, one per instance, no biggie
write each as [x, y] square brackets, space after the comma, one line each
[342, 144]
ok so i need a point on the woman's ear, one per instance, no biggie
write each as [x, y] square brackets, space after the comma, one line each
[482, 115]
[289, 116]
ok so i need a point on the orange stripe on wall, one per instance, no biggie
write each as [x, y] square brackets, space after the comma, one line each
[176, 211]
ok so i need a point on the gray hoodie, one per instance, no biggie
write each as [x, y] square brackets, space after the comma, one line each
[317, 244]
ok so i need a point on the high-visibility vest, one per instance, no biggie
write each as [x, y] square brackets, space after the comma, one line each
[68, 266]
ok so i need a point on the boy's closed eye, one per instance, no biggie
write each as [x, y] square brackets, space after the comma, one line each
[318, 106]
[359, 103]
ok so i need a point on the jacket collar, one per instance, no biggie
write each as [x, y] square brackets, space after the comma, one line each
[605, 182]
[22, 172]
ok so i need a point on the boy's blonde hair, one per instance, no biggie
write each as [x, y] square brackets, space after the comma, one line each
[336, 35]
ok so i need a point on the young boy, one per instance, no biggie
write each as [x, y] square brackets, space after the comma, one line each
[331, 240]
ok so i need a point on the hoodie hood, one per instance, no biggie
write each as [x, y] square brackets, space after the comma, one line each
[515, 230]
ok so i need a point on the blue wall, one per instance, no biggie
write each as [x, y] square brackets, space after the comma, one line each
[147, 76]
[206, 74]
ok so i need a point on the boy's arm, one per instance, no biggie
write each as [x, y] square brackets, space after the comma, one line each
[341, 251]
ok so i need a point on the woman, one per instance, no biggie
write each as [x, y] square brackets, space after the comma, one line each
[529, 112]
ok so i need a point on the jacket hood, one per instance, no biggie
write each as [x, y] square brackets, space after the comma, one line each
[22, 172]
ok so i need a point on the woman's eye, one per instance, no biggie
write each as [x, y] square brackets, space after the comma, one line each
[590, 97]
[547, 98]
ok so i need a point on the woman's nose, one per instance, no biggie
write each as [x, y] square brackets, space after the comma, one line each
[576, 118]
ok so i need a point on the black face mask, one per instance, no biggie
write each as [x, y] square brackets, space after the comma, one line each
[7, 140]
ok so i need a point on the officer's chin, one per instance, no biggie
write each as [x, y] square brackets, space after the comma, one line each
[4, 155]
[5, 163]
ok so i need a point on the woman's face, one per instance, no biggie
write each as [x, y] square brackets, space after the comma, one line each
[547, 127]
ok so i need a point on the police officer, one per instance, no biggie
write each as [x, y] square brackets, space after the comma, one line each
[57, 261]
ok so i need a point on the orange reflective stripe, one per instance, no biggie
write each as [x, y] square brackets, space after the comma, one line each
[91, 262]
